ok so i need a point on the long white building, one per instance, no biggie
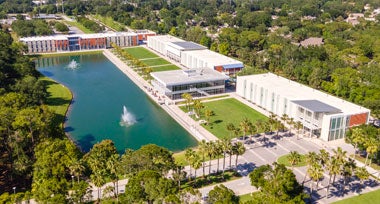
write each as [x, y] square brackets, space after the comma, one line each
[323, 115]
[193, 55]
[62, 43]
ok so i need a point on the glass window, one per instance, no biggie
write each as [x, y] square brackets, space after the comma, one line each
[333, 122]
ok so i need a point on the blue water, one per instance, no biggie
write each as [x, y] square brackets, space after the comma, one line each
[100, 91]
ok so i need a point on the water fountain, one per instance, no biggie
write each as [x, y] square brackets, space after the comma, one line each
[127, 118]
[73, 65]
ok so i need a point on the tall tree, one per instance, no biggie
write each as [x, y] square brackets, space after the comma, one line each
[238, 149]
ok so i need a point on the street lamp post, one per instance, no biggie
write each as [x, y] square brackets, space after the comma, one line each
[14, 190]
[72, 180]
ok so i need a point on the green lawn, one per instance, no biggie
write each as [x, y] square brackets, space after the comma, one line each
[228, 111]
[362, 159]
[284, 160]
[140, 52]
[246, 197]
[109, 22]
[79, 26]
[154, 62]
[58, 100]
[367, 198]
[56, 54]
[165, 68]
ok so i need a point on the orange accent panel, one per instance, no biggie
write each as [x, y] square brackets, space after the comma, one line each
[218, 68]
[358, 119]
[134, 40]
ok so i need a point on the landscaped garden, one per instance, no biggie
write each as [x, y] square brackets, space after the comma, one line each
[227, 111]
[155, 62]
[367, 198]
[140, 52]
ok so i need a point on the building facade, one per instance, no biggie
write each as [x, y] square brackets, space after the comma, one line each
[66, 43]
[197, 82]
[192, 55]
[321, 114]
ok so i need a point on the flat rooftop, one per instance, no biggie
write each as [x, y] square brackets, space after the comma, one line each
[187, 45]
[166, 38]
[295, 91]
[317, 106]
[215, 59]
[178, 77]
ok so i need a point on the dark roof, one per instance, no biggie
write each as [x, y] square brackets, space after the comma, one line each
[316, 106]
[189, 45]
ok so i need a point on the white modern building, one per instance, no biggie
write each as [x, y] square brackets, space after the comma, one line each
[197, 82]
[206, 58]
[159, 43]
[321, 114]
[193, 55]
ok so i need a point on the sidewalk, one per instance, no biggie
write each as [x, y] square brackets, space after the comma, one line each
[193, 127]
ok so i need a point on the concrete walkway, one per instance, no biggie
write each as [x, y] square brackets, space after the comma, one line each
[194, 128]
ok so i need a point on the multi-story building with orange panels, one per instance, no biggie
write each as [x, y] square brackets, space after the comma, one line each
[67, 43]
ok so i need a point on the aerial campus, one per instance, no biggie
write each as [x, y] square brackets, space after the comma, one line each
[149, 117]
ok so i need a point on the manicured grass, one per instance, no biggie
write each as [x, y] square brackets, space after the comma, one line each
[140, 52]
[79, 26]
[165, 68]
[367, 198]
[362, 159]
[56, 54]
[109, 22]
[180, 158]
[154, 62]
[204, 99]
[211, 179]
[58, 100]
[246, 197]
[285, 161]
[228, 111]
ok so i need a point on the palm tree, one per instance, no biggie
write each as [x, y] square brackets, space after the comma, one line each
[238, 149]
[291, 124]
[372, 147]
[294, 158]
[179, 175]
[340, 155]
[237, 132]
[188, 98]
[284, 119]
[333, 167]
[203, 149]
[208, 114]
[226, 143]
[77, 168]
[230, 127]
[218, 150]
[347, 171]
[362, 174]
[196, 163]
[311, 158]
[210, 150]
[189, 154]
[323, 157]
[298, 125]
[315, 172]
[357, 138]
[245, 126]
[198, 106]
[113, 164]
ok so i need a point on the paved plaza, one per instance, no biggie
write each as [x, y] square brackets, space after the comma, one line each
[258, 152]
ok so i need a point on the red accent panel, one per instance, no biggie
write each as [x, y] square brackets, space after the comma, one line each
[218, 68]
[358, 119]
